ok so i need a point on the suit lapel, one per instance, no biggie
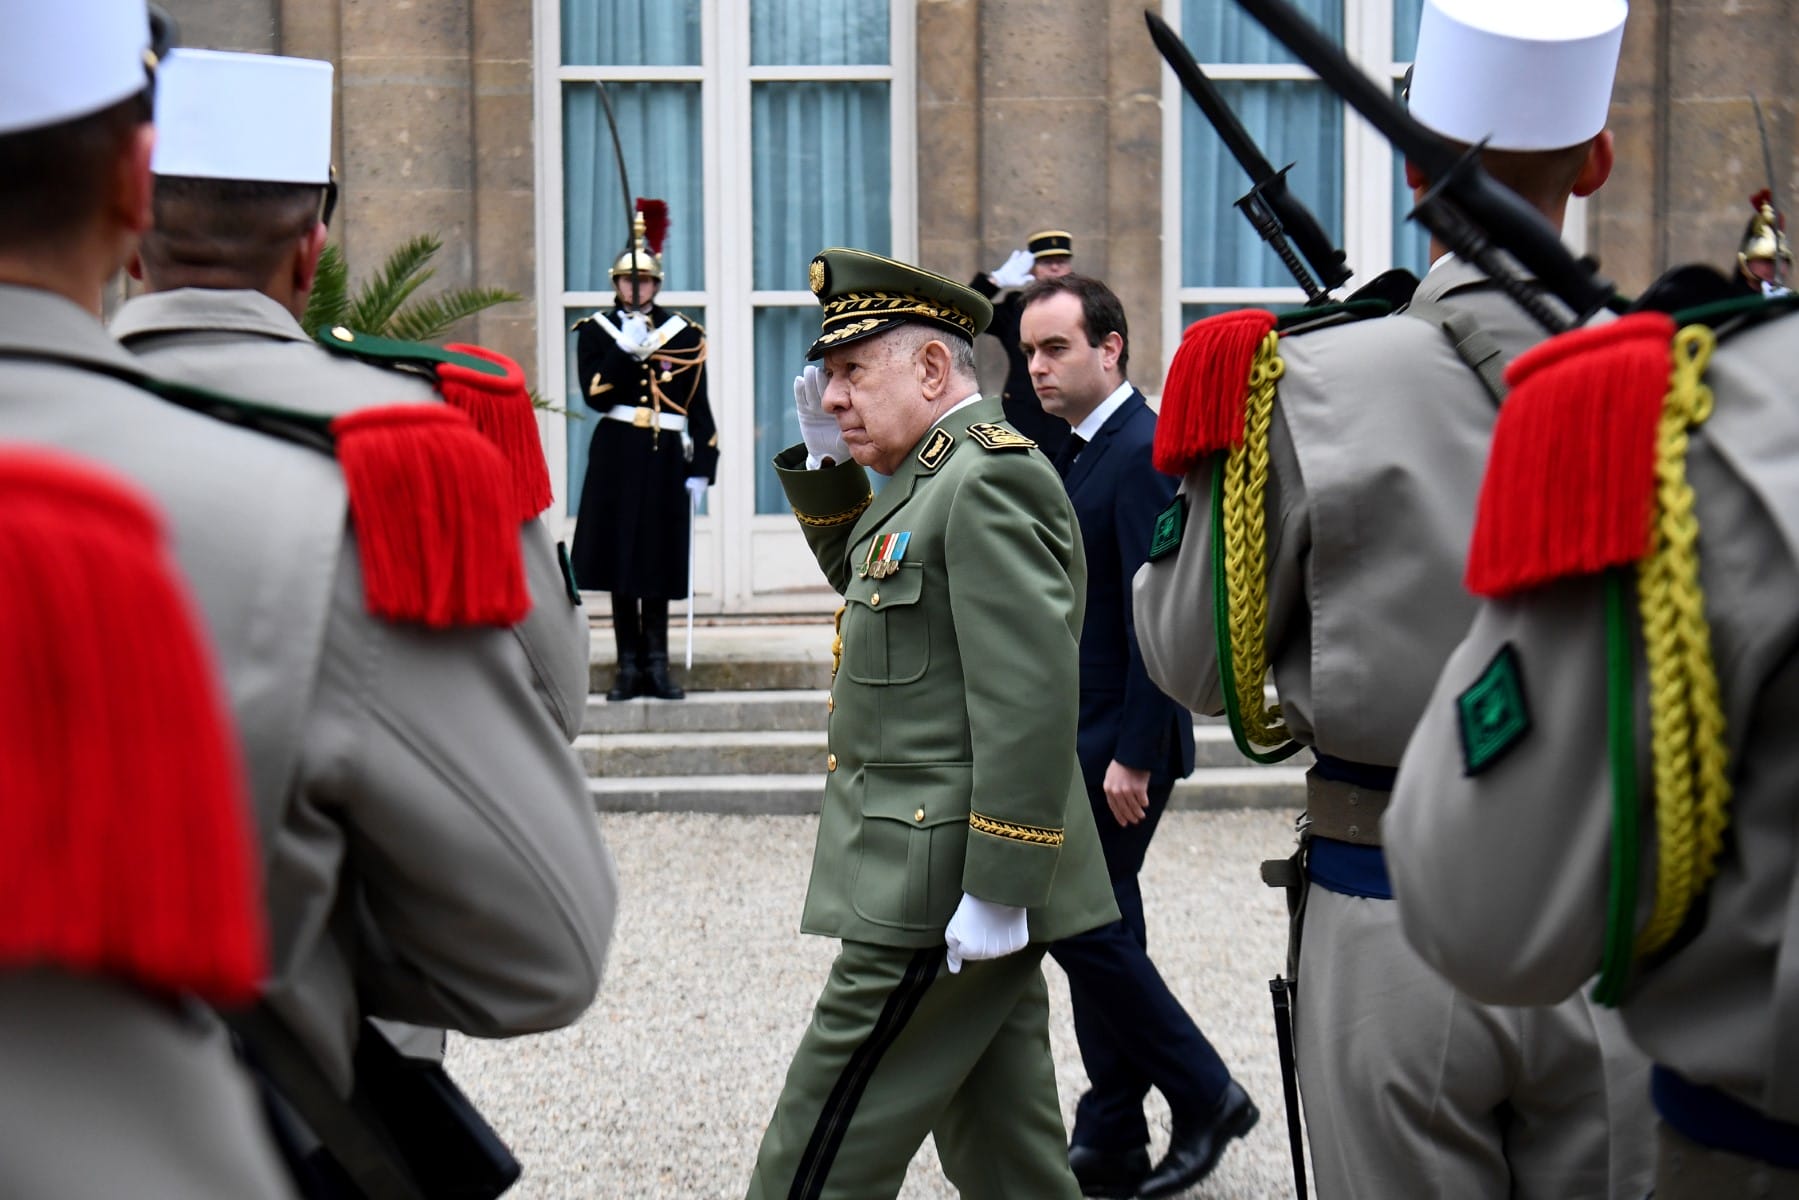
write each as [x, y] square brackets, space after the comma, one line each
[1102, 441]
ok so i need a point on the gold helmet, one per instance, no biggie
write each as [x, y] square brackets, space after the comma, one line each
[649, 225]
[1765, 241]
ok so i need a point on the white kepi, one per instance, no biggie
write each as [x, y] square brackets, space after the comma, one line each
[69, 58]
[257, 117]
[1517, 74]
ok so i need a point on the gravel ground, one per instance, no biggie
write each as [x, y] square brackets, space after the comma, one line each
[663, 1088]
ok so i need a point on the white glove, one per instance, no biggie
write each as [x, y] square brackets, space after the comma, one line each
[696, 488]
[634, 334]
[1015, 272]
[817, 427]
[982, 929]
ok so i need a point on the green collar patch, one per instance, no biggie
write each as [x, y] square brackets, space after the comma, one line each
[936, 449]
[998, 437]
[370, 348]
[1493, 715]
[1170, 528]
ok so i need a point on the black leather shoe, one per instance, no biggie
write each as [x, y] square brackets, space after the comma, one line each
[1197, 1146]
[1114, 1173]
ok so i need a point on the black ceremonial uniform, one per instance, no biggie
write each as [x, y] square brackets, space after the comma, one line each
[653, 430]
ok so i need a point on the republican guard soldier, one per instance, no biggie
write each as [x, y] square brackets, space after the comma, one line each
[1048, 254]
[642, 370]
[954, 814]
[1344, 574]
[1604, 777]
[360, 576]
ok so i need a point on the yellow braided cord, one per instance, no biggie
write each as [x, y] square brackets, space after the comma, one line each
[1246, 548]
[1686, 714]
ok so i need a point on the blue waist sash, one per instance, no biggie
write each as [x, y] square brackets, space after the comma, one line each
[1722, 1122]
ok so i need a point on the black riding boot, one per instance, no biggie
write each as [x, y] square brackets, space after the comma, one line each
[655, 662]
[627, 634]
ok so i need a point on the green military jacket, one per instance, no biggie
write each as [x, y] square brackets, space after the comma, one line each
[954, 698]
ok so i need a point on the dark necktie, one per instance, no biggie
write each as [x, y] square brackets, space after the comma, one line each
[1065, 456]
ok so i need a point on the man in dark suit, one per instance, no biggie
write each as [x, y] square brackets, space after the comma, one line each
[1133, 743]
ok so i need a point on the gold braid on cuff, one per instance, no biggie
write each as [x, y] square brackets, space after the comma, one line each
[1029, 834]
[847, 515]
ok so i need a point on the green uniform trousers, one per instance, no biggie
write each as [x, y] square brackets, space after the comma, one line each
[899, 1048]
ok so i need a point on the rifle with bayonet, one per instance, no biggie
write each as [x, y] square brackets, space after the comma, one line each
[1278, 216]
[1469, 212]
[1275, 213]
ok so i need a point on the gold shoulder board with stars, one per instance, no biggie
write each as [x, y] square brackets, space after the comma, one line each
[936, 449]
[998, 437]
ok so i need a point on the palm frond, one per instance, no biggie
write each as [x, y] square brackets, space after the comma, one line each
[430, 318]
[329, 303]
[405, 271]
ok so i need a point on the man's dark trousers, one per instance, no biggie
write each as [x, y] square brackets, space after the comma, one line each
[1133, 1033]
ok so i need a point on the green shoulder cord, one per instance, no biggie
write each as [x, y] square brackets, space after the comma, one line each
[1621, 741]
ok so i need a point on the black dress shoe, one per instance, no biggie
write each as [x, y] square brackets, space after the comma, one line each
[1196, 1147]
[1114, 1173]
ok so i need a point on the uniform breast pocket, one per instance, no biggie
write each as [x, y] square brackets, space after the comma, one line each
[914, 838]
[888, 631]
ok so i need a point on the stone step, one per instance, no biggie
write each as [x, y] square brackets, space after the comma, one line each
[731, 674]
[792, 751]
[1276, 788]
[724, 712]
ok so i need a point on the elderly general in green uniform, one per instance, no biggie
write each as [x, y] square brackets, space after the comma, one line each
[955, 832]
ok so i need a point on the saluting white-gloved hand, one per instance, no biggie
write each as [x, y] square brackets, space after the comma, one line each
[696, 488]
[1015, 272]
[982, 929]
[817, 427]
[634, 334]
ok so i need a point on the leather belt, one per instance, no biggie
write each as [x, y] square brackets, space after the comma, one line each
[644, 417]
[1347, 809]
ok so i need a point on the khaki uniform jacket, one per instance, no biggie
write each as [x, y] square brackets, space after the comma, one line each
[1369, 514]
[953, 710]
[1502, 877]
[245, 344]
[108, 1092]
[430, 853]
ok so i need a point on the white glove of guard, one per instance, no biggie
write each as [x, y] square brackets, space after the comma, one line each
[1015, 272]
[634, 334]
[696, 488]
[817, 427]
[982, 929]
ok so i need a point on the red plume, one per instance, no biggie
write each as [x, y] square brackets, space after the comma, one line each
[655, 223]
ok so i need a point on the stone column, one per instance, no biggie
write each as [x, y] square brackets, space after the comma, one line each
[1688, 153]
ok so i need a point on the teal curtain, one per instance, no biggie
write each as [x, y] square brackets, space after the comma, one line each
[659, 124]
[782, 336]
[1292, 121]
[1411, 241]
[631, 33]
[1219, 32]
[822, 177]
[819, 33]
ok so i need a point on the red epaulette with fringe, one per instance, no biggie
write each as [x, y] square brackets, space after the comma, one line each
[430, 502]
[500, 407]
[1570, 481]
[483, 383]
[126, 846]
[1203, 395]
